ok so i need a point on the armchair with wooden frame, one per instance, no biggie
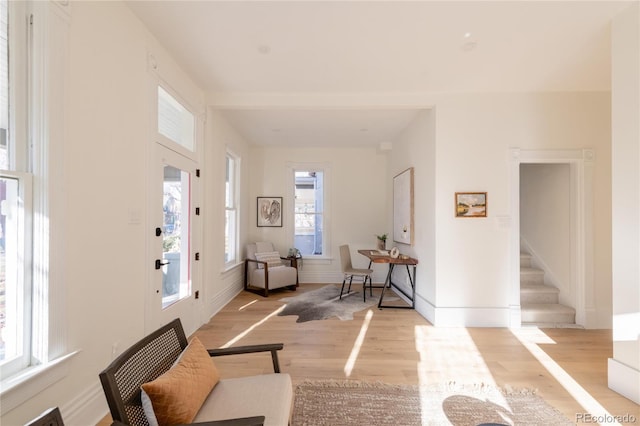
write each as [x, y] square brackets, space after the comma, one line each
[229, 403]
[265, 269]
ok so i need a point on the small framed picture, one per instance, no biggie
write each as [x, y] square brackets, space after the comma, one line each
[269, 211]
[471, 204]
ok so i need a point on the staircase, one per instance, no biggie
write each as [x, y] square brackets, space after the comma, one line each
[539, 302]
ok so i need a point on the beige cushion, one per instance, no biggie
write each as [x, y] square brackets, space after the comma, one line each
[268, 395]
[177, 395]
[271, 257]
[263, 246]
[282, 276]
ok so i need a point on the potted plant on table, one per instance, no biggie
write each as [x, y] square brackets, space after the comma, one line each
[382, 241]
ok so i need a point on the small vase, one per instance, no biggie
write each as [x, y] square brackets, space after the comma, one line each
[381, 244]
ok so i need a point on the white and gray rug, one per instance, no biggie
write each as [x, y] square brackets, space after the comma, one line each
[325, 303]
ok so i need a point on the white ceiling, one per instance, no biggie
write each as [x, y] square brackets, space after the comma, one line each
[312, 53]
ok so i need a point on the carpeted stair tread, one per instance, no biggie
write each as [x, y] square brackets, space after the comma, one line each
[530, 271]
[537, 288]
[547, 313]
[547, 307]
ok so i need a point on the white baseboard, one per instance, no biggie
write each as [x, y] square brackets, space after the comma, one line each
[88, 408]
[221, 299]
[515, 316]
[472, 317]
[320, 277]
[464, 317]
[425, 308]
[624, 380]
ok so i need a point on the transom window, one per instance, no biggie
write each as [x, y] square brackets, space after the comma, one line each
[175, 122]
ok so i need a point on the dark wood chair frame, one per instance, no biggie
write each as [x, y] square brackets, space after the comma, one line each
[265, 291]
[153, 356]
[51, 417]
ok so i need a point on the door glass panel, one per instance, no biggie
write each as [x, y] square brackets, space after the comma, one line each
[176, 201]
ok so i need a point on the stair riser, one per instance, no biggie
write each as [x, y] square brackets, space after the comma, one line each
[525, 261]
[548, 317]
[532, 278]
[538, 297]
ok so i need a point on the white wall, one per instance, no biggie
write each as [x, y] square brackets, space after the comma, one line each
[221, 285]
[357, 202]
[473, 136]
[416, 148]
[108, 106]
[545, 224]
[624, 367]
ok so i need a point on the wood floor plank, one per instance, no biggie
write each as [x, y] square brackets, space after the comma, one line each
[568, 367]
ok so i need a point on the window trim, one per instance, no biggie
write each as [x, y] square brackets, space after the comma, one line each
[42, 27]
[197, 128]
[326, 169]
[236, 207]
[24, 273]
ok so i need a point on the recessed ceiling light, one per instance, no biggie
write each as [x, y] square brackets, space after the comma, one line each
[468, 42]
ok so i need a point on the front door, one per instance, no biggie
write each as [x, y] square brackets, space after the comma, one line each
[173, 261]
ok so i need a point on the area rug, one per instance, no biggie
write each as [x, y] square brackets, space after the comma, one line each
[325, 303]
[337, 403]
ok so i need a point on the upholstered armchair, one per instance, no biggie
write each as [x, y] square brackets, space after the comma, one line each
[165, 379]
[265, 269]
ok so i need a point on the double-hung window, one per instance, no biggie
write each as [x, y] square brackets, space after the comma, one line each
[232, 168]
[15, 209]
[33, 352]
[309, 212]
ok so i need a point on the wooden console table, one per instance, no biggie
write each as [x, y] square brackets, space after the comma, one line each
[378, 258]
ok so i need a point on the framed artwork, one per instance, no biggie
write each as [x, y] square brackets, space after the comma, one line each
[403, 207]
[269, 211]
[471, 204]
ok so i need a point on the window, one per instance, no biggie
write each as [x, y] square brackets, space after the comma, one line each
[31, 207]
[15, 213]
[309, 212]
[175, 122]
[231, 209]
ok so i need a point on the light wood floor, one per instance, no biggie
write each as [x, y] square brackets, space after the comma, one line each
[568, 367]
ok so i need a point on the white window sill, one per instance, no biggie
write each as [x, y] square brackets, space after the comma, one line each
[316, 260]
[231, 267]
[19, 388]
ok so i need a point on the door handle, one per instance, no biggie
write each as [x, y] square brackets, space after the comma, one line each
[161, 262]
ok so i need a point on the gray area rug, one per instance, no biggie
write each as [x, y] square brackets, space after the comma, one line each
[337, 403]
[325, 303]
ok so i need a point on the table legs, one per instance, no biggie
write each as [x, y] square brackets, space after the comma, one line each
[389, 283]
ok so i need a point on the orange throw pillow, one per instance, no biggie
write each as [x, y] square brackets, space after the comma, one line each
[178, 394]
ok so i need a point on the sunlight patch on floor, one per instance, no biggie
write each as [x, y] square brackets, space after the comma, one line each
[355, 351]
[450, 355]
[582, 397]
[250, 329]
[241, 308]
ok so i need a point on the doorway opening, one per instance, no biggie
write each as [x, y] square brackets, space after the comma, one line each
[551, 196]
